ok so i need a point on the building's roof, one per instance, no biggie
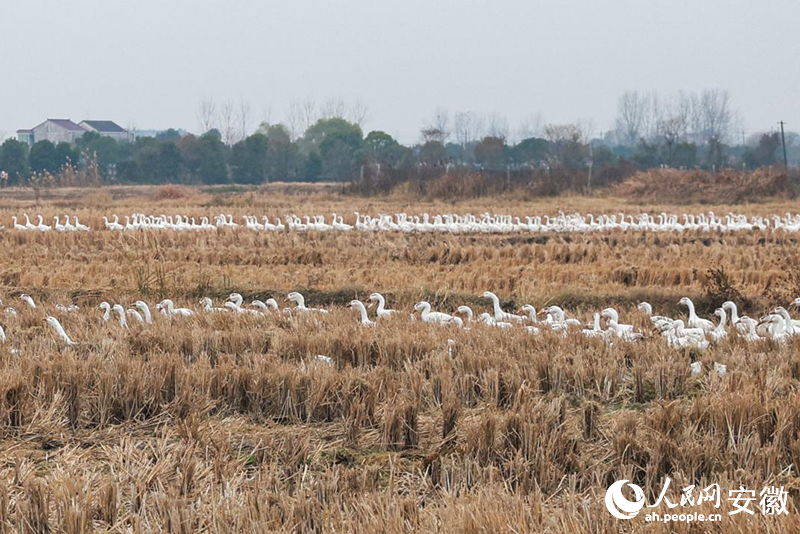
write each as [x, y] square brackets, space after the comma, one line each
[67, 125]
[105, 126]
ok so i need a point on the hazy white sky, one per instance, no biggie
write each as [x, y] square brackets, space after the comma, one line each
[149, 62]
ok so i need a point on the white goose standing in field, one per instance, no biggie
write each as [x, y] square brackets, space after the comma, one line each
[660, 322]
[620, 331]
[234, 303]
[53, 322]
[381, 311]
[719, 333]
[168, 308]
[487, 319]
[557, 320]
[362, 310]
[271, 305]
[145, 309]
[694, 321]
[135, 314]
[530, 311]
[208, 306]
[595, 330]
[123, 321]
[80, 227]
[28, 300]
[741, 324]
[467, 312]
[428, 316]
[42, 227]
[499, 314]
[610, 314]
[106, 307]
[681, 337]
[300, 302]
[18, 226]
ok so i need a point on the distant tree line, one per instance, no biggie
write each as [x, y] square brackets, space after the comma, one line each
[683, 131]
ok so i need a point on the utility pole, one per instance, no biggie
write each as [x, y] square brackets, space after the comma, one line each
[783, 142]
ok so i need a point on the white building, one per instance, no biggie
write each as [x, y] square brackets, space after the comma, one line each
[65, 131]
[53, 130]
[108, 129]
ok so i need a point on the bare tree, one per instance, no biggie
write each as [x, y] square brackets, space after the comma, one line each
[244, 118]
[308, 110]
[716, 114]
[359, 112]
[228, 123]
[498, 126]
[333, 108]
[464, 128]
[438, 129]
[530, 126]
[294, 119]
[631, 111]
[207, 114]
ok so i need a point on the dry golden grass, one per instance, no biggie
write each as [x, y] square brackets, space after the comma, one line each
[228, 424]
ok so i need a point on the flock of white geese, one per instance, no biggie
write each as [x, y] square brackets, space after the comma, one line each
[445, 223]
[693, 332]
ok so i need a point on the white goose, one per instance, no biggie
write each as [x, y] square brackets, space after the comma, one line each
[106, 307]
[467, 312]
[619, 330]
[208, 306]
[271, 305]
[123, 321]
[499, 314]
[487, 319]
[660, 322]
[381, 311]
[28, 300]
[694, 321]
[135, 314]
[610, 314]
[300, 302]
[168, 308]
[53, 322]
[42, 227]
[145, 309]
[681, 337]
[719, 333]
[234, 303]
[429, 316]
[362, 310]
[595, 330]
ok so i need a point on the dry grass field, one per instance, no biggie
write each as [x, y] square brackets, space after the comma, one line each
[222, 423]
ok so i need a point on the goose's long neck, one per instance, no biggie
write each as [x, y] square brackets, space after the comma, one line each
[496, 304]
[692, 314]
[363, 311]
[381, 304]
[723, 317]
[147, 317]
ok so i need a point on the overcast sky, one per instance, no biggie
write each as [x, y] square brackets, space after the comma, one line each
[148, 63]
